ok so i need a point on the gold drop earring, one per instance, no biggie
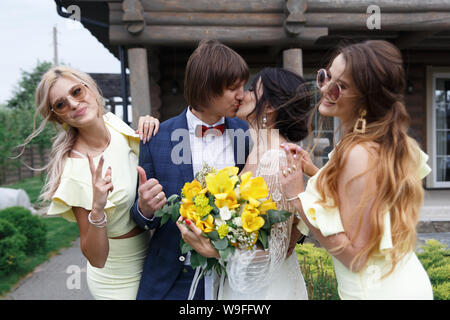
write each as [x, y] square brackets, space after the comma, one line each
[360, 124]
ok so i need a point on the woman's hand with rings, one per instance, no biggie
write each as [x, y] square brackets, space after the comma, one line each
[291, 176]
[147, 127]
[193, 236]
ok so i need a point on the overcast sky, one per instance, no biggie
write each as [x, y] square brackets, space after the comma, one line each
[26, 35]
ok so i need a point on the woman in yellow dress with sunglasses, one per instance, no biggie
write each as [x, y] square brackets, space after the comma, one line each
[363, 205]
[92, 179]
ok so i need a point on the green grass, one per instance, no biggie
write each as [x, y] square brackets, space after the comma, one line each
[317, 269]
[32, 186]
[60, 234]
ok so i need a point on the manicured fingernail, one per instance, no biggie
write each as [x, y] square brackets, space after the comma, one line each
[140, 136]
[295, 156]
[188, 221]
[299, 148]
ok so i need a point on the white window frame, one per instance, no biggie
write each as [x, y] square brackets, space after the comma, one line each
[432, 74]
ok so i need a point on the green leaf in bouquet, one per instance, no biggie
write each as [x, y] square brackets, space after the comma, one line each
[277, 216]
[263, 238]
[267, 224]
[159, 213]
[172, 198]
[164, 219]
[197, 260]
[213, 235]
[175, 212]
[226, 252]
[220, 244]
[185, 247]
[215, 212]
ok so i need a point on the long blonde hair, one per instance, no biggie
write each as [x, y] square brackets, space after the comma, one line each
[377, 71]
[65, 139]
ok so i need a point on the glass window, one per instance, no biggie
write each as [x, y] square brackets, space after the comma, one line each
[441, 104]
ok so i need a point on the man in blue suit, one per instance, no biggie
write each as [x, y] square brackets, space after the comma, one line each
[206, 132]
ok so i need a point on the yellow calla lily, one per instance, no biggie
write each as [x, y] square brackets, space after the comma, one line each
[190, 190]
[251, 222]
[206, 225]
[267, 205]
[187, 211]
[219, 183]
[253, 188]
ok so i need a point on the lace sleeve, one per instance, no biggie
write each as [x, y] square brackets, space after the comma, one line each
[281, 232]
[250, 271]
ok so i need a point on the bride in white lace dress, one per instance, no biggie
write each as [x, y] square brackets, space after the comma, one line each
[276, 108]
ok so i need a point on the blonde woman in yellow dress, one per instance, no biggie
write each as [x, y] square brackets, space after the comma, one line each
[92, 179]
[363, 205]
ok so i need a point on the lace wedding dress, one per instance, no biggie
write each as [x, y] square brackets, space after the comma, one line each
[267, 274]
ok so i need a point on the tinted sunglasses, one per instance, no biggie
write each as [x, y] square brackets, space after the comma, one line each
[62, 105]
[334, 89]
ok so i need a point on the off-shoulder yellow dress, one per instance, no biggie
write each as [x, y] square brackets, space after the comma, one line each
[119, 278]
[409, 279]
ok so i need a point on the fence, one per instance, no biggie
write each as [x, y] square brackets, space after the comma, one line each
[16, 170]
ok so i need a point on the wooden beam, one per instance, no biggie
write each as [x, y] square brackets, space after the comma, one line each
[293, 60]
[205, 19]
[139, 83]
[191, 35]
[385, 5]
[253, 6]
[425, 21]
[409, 39]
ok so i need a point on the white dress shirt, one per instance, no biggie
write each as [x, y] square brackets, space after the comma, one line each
[217, 152]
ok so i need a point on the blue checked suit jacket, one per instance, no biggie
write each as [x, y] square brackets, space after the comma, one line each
[163, 263]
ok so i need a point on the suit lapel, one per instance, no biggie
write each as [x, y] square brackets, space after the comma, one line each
[182, 147]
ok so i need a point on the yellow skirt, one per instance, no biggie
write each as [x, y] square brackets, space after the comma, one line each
[119, 278]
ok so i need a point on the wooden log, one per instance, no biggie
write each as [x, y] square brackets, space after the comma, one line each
[389, 21]
[139, 83]
[293, 60]
[424, 21]
[205, 19]
[385, 5]
[191, 35]
[253, 6]
[211, 5]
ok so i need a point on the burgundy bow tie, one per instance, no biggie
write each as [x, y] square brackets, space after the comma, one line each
[216, 130]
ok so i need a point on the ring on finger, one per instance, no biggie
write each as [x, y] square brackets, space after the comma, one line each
[294, 167]
[284, 173]
[158, 197]
[289, 170]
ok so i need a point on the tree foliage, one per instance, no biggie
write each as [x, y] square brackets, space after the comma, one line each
[16, 117]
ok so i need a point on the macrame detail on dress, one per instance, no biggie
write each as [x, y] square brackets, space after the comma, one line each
[253, 272]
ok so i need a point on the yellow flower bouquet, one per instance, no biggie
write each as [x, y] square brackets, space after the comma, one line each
[234, 212]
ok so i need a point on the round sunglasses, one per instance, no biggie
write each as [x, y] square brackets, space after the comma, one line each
[334, 89]
[62, 105]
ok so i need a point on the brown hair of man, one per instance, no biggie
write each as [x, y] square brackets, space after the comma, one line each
[211, 69]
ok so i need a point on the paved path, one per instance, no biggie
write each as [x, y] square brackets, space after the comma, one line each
[63, 277]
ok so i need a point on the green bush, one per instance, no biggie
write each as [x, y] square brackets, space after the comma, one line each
[435, 258]
[12, 247]
[318, 271]
[30, 226]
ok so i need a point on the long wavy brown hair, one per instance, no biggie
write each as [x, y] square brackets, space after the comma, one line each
[376, 68]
